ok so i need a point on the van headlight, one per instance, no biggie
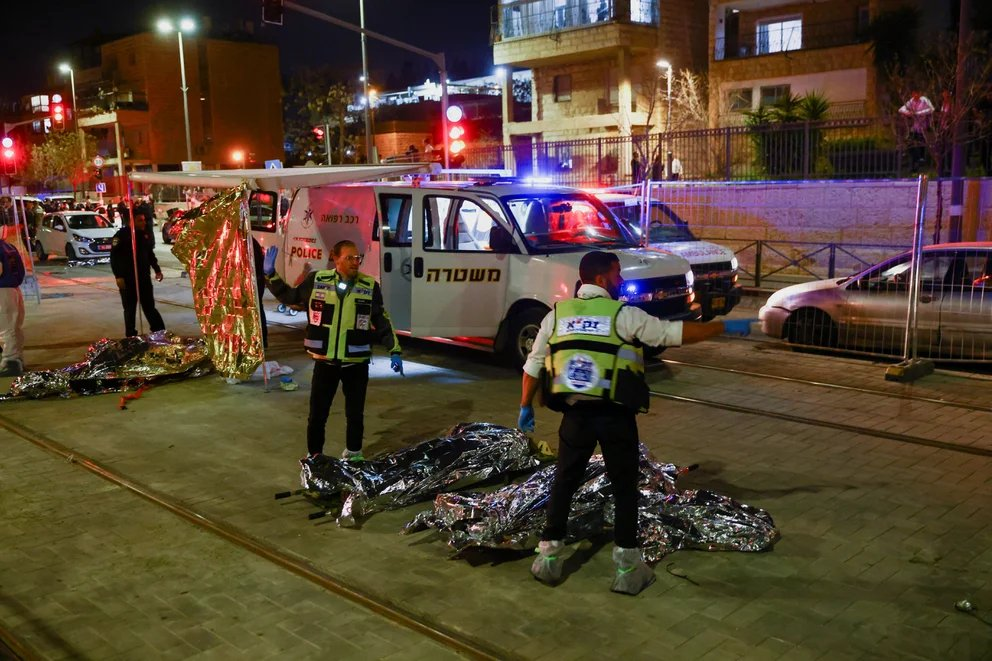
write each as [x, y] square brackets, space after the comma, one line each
[81, 239]
[690, 279]
[734, 263]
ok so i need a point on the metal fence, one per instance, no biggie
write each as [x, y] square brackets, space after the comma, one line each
[839, 255]
[830, 149]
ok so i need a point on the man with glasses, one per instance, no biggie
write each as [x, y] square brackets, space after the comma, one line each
[345, 316]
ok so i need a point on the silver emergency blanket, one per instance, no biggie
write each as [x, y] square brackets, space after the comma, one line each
[117, 365]
[669, 519]
[469, 454]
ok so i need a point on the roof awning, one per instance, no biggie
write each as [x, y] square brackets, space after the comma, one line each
[275, 179]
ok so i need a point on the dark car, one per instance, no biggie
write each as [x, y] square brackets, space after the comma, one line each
[171, 225]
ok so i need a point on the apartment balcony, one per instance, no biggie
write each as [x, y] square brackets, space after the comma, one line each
[528, 32]
[787, 36]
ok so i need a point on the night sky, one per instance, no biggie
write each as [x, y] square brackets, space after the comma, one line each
[36, 35]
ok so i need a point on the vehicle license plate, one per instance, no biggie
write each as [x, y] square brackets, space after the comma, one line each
[718, 302]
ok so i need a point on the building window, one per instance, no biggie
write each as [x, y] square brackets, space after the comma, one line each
[779, 35]
[39, 103]
[771, 94]
[740, 100]
[563, 87]
[613, 88]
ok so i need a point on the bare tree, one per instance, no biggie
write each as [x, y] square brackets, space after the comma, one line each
[954, 109]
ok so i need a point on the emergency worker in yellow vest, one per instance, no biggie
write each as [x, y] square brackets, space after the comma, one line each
[345, 317]
[591, 349]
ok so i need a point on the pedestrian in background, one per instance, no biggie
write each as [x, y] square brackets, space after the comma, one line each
[345, 317]
[917, 111]
[591, 349]
[133, 291]
[11, 310]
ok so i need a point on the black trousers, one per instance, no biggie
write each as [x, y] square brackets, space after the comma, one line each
[129, 299]
[354, 380]
[615, 429]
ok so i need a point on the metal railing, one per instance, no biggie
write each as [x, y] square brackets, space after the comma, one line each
[531, 18]
[865, 148]
[783, 38]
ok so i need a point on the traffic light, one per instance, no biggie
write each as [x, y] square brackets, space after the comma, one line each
[272, 11]
[9, 155]
[456, 131]
[318, 132]
[58, 113]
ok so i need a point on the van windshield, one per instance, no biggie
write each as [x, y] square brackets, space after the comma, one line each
[665, 225]
[567, 221]
[88, 222]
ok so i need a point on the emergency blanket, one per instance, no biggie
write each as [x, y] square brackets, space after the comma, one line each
[469, 454]
[669, 520]
[117, 365]
[214, 245]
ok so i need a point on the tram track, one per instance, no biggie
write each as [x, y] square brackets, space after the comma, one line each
[817, 422]
[834, 386]
[460, 643]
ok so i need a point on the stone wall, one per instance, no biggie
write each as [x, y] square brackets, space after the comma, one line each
[789, 214]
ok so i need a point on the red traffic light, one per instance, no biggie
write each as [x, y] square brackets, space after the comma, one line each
[57, 112]
[319, 132]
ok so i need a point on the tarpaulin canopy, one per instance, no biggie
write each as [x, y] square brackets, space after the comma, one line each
[275, 179]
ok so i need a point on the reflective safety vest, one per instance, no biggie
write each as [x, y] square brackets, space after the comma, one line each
[340, 329]
[589, 361]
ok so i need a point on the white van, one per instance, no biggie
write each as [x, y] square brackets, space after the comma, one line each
[714, 266]
[479, 265]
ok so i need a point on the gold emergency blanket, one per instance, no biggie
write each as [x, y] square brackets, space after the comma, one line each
[214, 246]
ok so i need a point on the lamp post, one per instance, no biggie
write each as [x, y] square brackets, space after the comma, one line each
[369, 147]
[185, 25]
[65, 68]
[667, 66]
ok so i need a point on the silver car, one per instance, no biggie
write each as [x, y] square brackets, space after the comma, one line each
[867, 311]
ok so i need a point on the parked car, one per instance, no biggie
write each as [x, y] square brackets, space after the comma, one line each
[713, 266]
[74, 235]
[867, 311]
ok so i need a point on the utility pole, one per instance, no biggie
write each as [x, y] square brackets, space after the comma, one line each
[958, 155]
[365, 87]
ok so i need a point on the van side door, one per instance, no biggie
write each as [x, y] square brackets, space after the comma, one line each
[461, 266]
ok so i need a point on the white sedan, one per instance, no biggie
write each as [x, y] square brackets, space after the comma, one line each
[74, 235]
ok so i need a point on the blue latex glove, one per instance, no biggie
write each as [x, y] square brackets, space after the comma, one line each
[740, 327]
[525, 422]
[396, 362]
[269, 263]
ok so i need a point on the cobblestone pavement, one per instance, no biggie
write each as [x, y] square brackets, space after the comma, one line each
[879, 537]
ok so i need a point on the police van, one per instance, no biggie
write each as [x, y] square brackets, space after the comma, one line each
[714, 266]
[479, 265]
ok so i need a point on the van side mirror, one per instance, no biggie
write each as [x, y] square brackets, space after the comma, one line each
[263, 210]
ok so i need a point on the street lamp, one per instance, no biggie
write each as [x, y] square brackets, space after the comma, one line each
[667, 66]
[166, 26]
[65, 68]
[369, 147]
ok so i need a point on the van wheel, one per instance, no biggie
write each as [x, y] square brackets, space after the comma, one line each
[70, 253]
[40, 251]
[523, 330]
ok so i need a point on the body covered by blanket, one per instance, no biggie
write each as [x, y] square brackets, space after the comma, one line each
[469, 454]
[116, 365]
[669, 519]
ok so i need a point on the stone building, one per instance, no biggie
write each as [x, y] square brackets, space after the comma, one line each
[762, 50]
[594, 62]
